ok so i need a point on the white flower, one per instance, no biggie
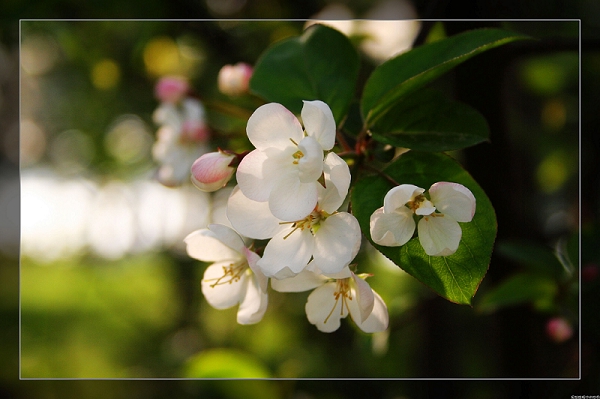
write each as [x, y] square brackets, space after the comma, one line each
[330, 238]
[233, 277]
[284, 168]
[334, 298]
[439, 233]
[212, 171]
[180, 140]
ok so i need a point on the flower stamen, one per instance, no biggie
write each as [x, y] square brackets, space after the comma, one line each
[234, 271]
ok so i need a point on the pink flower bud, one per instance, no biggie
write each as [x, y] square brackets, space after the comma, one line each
[193, 131]
[559, 329]
[211, 171]
[171, 89]
[235, 79]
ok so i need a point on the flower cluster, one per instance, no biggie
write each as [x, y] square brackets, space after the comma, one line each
[439, 232]
[183, 133]
[290, 191]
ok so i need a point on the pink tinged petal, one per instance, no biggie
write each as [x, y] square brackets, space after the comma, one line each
[319, 123]
[377, 321]
[303, 281]
[285, 250]
[392, 229]
[310, 165]
[453, 199]
[205, 246]
[272, 125]
[292, 200]
[323, 310]
[211, 171]
[398, 196]
[225, 293]
[251, 218]
[364, 298]
[254, 304]
[439, 235]
[337, 241]
[252, 259]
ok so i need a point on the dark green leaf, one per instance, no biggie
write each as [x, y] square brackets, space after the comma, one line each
[536, 257]
[409, 71]
[519, 289]
[428, 121]
[321, 65]
[455, 277]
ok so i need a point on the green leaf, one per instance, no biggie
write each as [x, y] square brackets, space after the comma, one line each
[409, 71]
[455, 277]
[224, 363]
[428, 121]
[536, 257]
[518, 289]
[321, 64]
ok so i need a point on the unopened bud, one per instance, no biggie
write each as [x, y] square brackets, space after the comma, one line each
[211, 171]
[171, 89]
[193, 131]
[235, 79]
[559, 329]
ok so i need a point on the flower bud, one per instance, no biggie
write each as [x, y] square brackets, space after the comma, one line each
[559, 329]
[211, 171]
[171, 89]
[193, 131]
[234, 80]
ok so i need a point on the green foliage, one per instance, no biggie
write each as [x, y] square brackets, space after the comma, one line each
[455, 277]
[321, 65]
[224, 363]
[427, 121]
[407, 72]
[519, 289]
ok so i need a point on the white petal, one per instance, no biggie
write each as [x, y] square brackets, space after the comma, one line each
[425, 208]
[310, 166]
[205, 246]
[398, 196]
[439, 235]
[377, 321]
[337, 242]
[319, 123]
[392, 229]
[323, 310]
[228, 237]
[337, 174]
[287, 250]
[254, 304]
[303, 281]
[453, 199]
[253, 259]
[256, 181]
[364, 298]
[292, 200]
[225, 293]
[273, 125]
[251, 218]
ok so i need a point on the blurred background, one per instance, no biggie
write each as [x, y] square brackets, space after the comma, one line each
[107, 291]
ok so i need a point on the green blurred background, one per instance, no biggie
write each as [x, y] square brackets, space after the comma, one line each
[130, 306]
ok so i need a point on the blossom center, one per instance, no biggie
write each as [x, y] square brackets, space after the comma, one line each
[342, 291]
[297, 155]
[420, 205]
[312, 222]
[231, 274]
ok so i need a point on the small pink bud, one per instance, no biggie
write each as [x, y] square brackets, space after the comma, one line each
[211, 171]
[559, 329]
[171, 89]
[589, 272]
[235, 79]
[193, 131]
